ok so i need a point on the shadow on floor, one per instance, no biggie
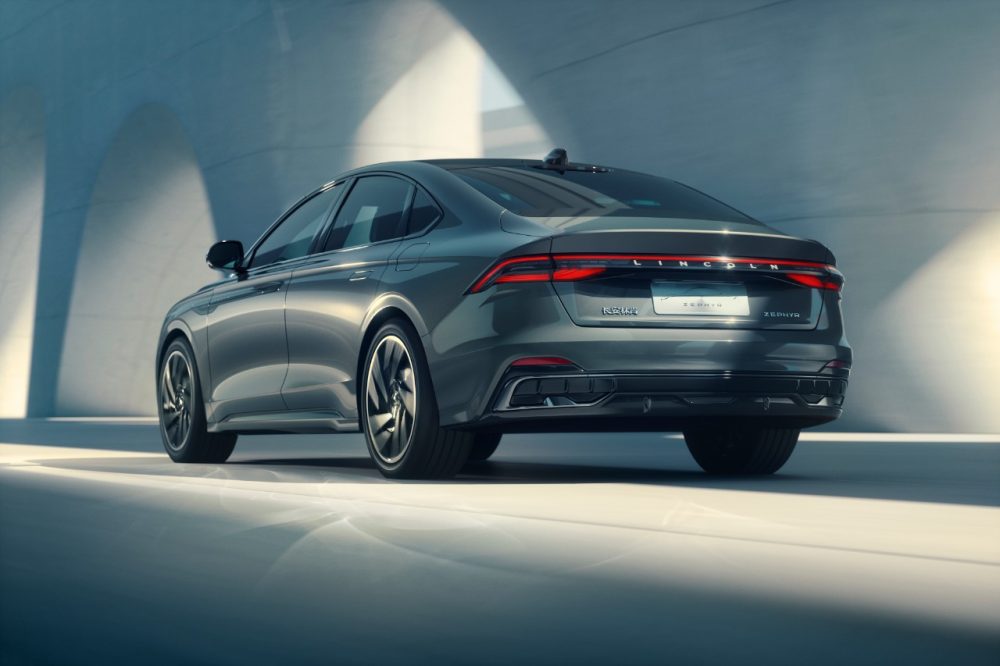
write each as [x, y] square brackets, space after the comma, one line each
[940, 473]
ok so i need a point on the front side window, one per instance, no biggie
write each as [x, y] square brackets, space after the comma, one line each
[292, 238]
[372, 212]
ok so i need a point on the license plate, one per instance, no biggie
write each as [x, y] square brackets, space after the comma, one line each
[721, 299]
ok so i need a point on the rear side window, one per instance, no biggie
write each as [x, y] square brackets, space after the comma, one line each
[541, 193]
[372, 212]
[423, 214]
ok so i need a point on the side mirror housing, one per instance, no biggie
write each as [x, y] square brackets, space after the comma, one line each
[226, 255]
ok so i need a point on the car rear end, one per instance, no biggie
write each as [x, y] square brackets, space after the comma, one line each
[628, 302]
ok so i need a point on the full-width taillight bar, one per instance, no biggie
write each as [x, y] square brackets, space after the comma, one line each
[571, 267]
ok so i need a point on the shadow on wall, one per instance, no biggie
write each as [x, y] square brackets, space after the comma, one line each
[144, 240]
[22, 194]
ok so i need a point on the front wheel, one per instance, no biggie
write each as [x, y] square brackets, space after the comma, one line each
[182, 413]
[741, 450]
[399, 411]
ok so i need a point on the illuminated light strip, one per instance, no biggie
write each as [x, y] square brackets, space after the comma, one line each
[570, 274]
[813, 281]
[558, 275]
[525, 277]
[583, 272]
[682, 257]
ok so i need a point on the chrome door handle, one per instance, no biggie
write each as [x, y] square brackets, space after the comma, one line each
[269, 287]
[357, 276]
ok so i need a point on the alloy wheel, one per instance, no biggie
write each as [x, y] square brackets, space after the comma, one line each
[390, 399]
[175, 399]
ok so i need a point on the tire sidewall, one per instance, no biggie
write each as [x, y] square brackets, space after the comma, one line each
[425, 420]
[197, 406]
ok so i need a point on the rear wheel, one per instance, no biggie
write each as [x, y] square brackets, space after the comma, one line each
[399, 411]
[741, 450]
[484, 446]
[183, 428]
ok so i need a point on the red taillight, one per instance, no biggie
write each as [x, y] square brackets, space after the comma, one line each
[536, 268]
[571, 274]
[558, 275]
[502, 271]
[525, 277]
[814, 281]
[541, 360]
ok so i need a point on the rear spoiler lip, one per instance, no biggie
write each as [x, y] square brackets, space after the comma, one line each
[716, 243]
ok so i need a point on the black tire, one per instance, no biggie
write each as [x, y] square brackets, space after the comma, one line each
[399, 413]
[741, 449]
[484, 445]
[182, 415]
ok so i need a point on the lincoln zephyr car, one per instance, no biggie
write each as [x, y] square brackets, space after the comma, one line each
[436, 305]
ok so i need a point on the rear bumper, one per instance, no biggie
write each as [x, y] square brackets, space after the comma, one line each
[471, 351]
[644, 402]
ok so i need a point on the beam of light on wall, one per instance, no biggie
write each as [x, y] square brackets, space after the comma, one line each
[22, 194]
[432, 109]
[946, 324]
[143, 248]
[509, 127]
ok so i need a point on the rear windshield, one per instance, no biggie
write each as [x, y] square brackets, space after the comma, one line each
[534, 192]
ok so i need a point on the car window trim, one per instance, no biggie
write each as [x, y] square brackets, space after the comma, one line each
[409, 213]
[252, 252]
[323, 235]
[404, 218]
[416, 184]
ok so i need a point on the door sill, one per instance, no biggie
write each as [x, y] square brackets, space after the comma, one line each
[305, 422]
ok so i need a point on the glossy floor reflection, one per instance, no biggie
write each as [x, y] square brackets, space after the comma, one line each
[565, 549]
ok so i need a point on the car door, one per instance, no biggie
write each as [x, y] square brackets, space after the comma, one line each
[330, 294]
[248, 353]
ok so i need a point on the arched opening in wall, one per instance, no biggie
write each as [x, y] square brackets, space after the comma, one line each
[22, 195]
[143, 247]
[450, 100]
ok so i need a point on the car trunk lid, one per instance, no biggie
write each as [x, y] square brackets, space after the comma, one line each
[691, 275]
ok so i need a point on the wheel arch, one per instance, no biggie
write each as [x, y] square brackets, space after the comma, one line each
[371, 328]
[173, 330]
[385, 308]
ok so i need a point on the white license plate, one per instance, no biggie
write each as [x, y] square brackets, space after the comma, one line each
[722, 299]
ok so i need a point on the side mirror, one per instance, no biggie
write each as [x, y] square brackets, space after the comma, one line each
[226, 255]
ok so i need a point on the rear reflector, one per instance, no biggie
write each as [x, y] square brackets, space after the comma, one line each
[540, 360]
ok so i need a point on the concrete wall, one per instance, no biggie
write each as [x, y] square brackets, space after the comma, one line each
[872, 126]
[240, 107]
[22, 189]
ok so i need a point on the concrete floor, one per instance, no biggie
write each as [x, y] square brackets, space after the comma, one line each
[565, 549]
